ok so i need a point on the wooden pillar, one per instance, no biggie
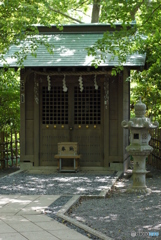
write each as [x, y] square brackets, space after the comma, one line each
[22, 114]
[36, 122]
[126, 115]
[106, 122]
[120, 84]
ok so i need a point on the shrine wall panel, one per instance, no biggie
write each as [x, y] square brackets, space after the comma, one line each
[113, 117]
[29, 137]
[49, 144]
[90, 147]
[29, 101]
[29, 117]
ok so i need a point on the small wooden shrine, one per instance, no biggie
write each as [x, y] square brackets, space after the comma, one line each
[65, 99]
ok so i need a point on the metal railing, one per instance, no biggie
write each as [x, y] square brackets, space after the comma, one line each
[9, 149]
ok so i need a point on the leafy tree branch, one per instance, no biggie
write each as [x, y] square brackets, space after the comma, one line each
[151, 15]
[65, 15]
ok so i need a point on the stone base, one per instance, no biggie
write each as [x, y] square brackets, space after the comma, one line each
[26, 165]
[116, 166]
[138, 190]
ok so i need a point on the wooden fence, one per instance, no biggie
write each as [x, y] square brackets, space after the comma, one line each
[155, 157]
[9, 149]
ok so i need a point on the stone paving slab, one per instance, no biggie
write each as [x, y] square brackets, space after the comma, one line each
[37, 218]
[30, 224]
[23, 213]
[38, 205]
[68, 234]
[4, 228]
[39, 236]
[25, 226]
[49, 225]
[12, 236]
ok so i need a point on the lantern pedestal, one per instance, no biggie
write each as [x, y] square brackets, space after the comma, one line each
[139, 148]
[139, 175]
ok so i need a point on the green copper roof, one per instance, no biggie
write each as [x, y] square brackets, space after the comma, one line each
[69, 50]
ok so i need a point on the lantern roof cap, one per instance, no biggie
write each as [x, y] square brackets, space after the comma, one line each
[139, 121]
[140, 109]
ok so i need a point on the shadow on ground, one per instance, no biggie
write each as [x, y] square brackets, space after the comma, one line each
[82, 183]
[6, 171]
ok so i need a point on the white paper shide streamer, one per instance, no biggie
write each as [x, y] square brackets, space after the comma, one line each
[49, 83]
[95, 83]
[65, 89]
[80, 83]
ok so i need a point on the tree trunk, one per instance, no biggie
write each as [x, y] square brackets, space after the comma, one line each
[95, 11]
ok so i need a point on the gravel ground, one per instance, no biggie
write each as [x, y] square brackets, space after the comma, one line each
[120, 216]
[64, 184]
[55, 184]
[124, 215]
[52, 210]
[6, 171]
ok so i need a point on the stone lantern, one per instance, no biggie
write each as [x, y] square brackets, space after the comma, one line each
[139, 148]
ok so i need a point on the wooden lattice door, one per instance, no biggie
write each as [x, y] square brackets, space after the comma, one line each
[71, 116]
[88, 124]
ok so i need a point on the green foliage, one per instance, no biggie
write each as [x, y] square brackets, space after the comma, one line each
[148, 86]
[18, 25]
[9, 100]
[139, 32]
[19, 21]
